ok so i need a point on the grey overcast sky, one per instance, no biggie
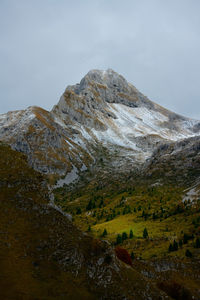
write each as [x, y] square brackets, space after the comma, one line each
[46, 45]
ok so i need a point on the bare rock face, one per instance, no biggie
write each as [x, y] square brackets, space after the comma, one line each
[46, 143]
[87, 101]
[182, 156]
[103, 110]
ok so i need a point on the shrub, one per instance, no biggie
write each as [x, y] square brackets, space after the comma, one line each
[123, 255]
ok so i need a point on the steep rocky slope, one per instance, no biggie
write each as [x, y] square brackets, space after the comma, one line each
[103, 110]
[44, 256]
[180, 159]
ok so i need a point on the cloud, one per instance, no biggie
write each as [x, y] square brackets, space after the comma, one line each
[47, 45]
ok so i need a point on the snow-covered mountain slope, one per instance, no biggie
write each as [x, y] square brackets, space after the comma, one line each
[46, 143]
[103, 110]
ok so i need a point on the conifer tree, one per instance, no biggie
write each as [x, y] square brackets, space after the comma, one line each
[197, 243]
[188, 253]
[170, 247]
[78, 211]
[175, 246]
[180, 243]
[132, 255]
[119, 239]
[104, 232]
[131, 234]
[145, 233]
[124, 236]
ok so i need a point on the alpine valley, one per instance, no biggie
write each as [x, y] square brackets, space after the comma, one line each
[100, 197]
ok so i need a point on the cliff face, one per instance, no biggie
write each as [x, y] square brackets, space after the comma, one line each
[102, 110]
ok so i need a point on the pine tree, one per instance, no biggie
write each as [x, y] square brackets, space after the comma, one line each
[185, 238]
[132, 255]
[175, 246]
[170, 247]
[89, 206]
[180, 243]
[101, 203]
[197, 243]
[78, 211]
[119, 239]
[124, 236]
[188, 253]
[104, 232]
[131, 234]
[145, 233]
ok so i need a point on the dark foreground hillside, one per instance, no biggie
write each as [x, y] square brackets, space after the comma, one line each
[44, 256]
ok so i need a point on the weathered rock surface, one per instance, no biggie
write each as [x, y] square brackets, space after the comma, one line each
[102, 110]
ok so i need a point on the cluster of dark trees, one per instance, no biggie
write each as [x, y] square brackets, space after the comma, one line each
[173, 246]
[96, 201]
[124, 236]
[176, 245]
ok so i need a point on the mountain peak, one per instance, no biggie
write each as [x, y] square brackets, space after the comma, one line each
[103, 109]
[108, 78]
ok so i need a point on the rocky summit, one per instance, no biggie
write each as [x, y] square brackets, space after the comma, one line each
[103, 110]
[100, 193]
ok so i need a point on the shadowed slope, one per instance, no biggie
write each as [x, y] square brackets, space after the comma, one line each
[43, 255]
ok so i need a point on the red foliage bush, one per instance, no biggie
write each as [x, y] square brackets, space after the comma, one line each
[123, 255]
